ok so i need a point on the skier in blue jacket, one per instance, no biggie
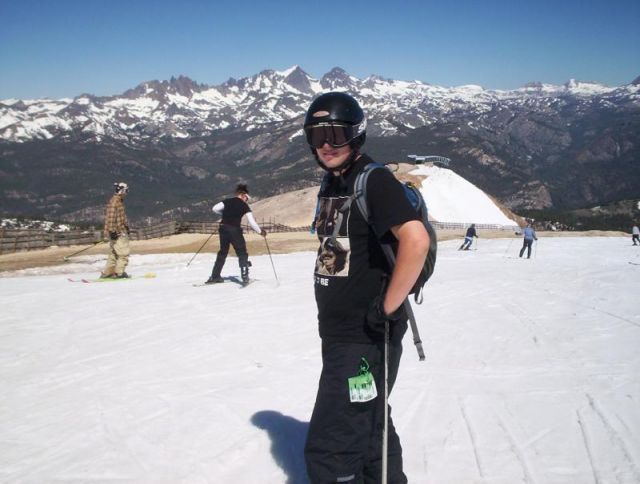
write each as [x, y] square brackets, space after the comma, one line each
[529, 237]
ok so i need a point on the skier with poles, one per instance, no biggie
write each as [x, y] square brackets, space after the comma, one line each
[635, 235]
[232, 210]
[529, 236]
[116, 229]
[360, 302]
[468, 238]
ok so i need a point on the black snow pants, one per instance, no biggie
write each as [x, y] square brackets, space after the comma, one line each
[526, 244]
[231, 235]
[344, 443]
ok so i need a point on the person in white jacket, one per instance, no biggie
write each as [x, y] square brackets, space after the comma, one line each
[635, 235]
[230, 233]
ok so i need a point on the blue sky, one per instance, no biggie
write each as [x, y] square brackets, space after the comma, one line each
[64, 48]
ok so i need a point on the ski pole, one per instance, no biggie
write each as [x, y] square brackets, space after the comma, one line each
[66, 257]
[271, 258]
[194, 255]
[385, 430]
[508, 248]
[407, 307]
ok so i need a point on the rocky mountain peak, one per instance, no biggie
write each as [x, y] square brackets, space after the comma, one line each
[183, 85]
[337, 79]
[298, 79]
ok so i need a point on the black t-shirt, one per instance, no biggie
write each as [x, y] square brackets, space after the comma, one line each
[234, 210]
[351, 267]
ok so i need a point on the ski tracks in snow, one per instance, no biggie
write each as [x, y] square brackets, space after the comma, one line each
[517, 450]
[592, 308]
[492, 467]
[472, 437]
[588, 448]
[616, 439]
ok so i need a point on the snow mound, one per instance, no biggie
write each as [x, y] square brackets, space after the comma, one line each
[453, 199]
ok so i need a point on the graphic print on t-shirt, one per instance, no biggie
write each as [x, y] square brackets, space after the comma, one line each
[333, 232]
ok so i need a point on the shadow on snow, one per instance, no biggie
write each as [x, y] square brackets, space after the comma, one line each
[288, 436]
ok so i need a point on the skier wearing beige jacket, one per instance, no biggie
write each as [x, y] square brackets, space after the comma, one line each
[116, 229]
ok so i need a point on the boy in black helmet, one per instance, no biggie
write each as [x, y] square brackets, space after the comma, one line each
[357, 295]
[232, 211]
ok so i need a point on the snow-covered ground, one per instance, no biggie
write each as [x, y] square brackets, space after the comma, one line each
[532, 370]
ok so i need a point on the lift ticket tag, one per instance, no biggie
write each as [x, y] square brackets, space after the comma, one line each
[362, 388]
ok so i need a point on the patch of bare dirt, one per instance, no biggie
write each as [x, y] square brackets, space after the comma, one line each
[279, 243]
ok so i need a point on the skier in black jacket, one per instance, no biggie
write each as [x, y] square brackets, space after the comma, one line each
[232, 211]
[356, 295]
[468, 238]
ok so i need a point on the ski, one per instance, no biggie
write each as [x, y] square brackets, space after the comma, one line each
[234, 279]
[148, 275]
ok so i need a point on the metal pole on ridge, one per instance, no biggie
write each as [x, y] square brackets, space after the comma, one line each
[271, 259]
[198, 251]
[66, 257]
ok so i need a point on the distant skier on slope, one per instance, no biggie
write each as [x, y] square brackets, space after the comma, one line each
[357, 297]
[232, 211]
[635, 235]
[116, 229]
[529, 236]
[468, 238]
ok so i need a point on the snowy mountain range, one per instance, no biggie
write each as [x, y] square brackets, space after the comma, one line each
[181, 108]
[181, 144]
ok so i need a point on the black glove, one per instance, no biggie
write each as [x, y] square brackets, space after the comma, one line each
[376, 318]
[113, 235]
[263, 232]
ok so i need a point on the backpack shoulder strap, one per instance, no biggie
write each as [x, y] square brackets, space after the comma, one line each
[323, 186]
[360, 197]
[360, 188]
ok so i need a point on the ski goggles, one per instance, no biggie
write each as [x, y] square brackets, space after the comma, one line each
[335, 134]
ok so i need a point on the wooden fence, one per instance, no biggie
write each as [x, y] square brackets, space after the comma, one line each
[12, 240]
[464, 226]
[15, 240]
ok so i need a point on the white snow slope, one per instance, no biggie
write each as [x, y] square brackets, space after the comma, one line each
[531, 372]
[451, 198]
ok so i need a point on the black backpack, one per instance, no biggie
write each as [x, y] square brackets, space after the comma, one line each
[417, 201]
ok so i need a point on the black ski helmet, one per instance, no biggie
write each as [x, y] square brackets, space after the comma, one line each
[338, 107]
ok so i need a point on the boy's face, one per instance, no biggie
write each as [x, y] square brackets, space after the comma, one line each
[333, 157]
